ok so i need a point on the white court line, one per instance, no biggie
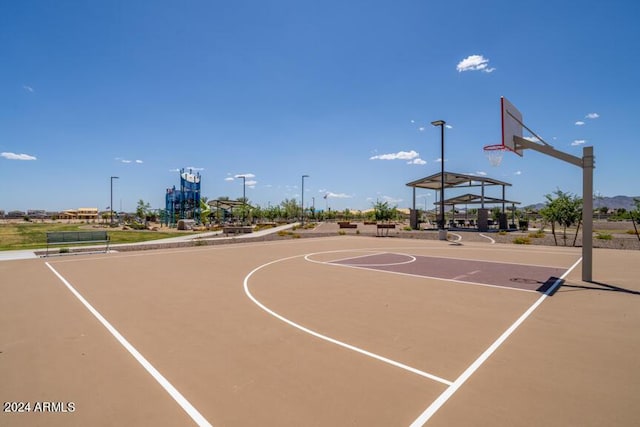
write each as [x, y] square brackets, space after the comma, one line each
[169, 388]
[329, 339]
[487, 237]
[344, 261]
[442, 399]
[367, 254]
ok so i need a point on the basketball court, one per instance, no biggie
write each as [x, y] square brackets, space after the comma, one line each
[323, 331]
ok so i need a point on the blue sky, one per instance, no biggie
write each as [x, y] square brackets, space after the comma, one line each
[342, 91]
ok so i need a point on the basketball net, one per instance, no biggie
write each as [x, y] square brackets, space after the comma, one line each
[495, 153]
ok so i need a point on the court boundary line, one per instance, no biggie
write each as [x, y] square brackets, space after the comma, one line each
[327, 338]
[470, 245]
[450, 391]
[195, 415]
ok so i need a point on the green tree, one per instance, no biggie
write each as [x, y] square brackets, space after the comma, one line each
[565, 210]
[383, 212]
[290, 209]
[142, 210]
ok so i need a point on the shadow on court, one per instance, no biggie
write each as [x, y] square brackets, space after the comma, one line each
[599, 286]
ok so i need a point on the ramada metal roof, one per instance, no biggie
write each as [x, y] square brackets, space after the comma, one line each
[453, 179]
[474, 199]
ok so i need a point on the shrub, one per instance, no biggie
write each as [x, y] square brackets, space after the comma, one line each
[633, 232]
[502, 233]
[522, 241]
[604, 236]
[537, 235]
[342, 232]
[63, 251]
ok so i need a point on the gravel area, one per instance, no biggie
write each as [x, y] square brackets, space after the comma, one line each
[620, 239]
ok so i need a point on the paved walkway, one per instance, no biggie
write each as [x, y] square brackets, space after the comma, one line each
[16, 255]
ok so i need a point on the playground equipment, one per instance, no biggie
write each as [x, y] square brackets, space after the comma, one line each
[183, 203]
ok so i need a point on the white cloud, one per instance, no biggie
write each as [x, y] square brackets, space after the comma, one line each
[578, 142]
[579, 123]
[421, 128]
[531, 138]
[251, 183]
[246, 175]
[592, 116]
[331, 195]
[417, 161]
[390, 199]
[401, 155]
[481, 173]
[518, 173]
[193, 168]
[474, 63]
[448, 126]
[127, 161]
[174, 170]
[229, 179]
[28, 88]
[14, 156]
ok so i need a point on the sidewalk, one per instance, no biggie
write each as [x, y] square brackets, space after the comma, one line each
[23, 254]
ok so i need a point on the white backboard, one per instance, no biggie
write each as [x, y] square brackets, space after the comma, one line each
[511, 125]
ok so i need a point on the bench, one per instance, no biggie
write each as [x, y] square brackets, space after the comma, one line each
[346, 224]
[237, 229]
[383, 229]
[77, 237]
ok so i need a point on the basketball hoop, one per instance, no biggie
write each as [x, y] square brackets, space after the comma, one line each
[495, 153]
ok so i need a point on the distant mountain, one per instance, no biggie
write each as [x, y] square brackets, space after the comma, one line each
[616, 202]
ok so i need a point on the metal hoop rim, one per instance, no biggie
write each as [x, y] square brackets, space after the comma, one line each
[495, 147]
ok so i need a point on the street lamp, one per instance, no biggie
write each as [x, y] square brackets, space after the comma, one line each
[303, 177]
[111, 204]
[441, 123]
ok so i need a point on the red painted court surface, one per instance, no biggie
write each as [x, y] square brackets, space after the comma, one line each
[342, 331]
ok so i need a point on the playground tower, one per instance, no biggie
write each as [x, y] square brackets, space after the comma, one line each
[185, 202]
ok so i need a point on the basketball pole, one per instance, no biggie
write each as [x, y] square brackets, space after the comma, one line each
[587, 163]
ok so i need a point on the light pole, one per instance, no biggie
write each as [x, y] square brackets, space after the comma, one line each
[303, 177]
[111, 204]
[441, 123]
